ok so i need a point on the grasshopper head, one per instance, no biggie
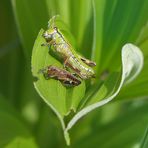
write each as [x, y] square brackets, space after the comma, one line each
[48, 35]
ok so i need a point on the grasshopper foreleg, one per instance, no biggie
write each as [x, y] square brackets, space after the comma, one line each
[45, 44]
[48, 43]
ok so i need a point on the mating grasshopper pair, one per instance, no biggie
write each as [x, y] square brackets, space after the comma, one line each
[80, 66]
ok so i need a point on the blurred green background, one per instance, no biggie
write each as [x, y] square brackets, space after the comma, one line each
[25, 120]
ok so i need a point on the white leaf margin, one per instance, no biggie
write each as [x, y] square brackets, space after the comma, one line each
[132, 63]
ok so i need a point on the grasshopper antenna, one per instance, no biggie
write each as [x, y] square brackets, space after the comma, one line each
[51, 23]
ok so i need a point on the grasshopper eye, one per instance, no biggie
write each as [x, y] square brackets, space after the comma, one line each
[55, 28]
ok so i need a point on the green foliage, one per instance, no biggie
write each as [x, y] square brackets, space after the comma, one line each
[144, 142]
[12, 130]
[127, 132]
[100, 29]
[132, 62]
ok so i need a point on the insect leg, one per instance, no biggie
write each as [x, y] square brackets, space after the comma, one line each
[48, 43]
[71, 82]
[51, 23]
[86, 61]
[65, 62]
[45, 44]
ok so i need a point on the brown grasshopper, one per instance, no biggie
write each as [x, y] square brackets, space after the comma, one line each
[62, 75]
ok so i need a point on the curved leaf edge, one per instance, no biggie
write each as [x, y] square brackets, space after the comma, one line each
[60, 117]
[129, 63]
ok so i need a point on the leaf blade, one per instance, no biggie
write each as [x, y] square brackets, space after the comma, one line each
[129, 64]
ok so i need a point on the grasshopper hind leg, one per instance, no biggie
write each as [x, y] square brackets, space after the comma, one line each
[70, 83]
[87, 61]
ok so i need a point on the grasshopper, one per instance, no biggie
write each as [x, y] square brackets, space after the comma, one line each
[62, 75]
[80, 65]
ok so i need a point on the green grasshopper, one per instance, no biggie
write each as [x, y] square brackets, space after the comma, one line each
[80, 65]
[62, 75]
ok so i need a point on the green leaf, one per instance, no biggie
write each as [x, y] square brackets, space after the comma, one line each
[144, 143]
[20, 142]
[48, 132]
[30, 16]
[80, 10]
[132, 62]
[12, 129]
[142, 39]
[124, 130]
[98, 8]
[6, 107]
[123, 21]
[138, 88]
[8, 35]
